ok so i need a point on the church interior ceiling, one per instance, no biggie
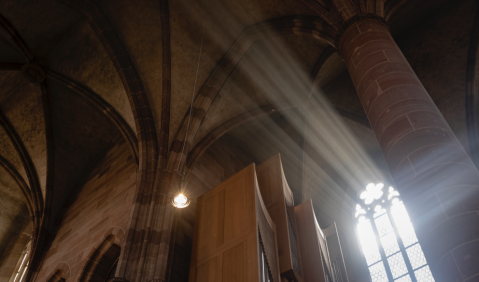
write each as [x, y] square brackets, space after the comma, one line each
[254, 77]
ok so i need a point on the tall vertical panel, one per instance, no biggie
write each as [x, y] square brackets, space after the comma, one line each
[277, 198]
[226, 240]
[210, 227]
[220, 231]
[234, 264]
[235, 207]
[267, 183]
[313, 270]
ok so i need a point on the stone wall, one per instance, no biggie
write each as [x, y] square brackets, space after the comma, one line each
[101, 207]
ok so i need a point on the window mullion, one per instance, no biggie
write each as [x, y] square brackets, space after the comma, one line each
[381, 250]
[402, 248]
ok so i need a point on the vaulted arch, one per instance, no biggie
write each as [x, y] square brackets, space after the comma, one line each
[145, 124]
[312, 26]
[103, 106]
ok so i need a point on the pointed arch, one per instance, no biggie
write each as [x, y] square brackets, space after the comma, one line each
[391, 7]
[7, 166]
[305, 25]
[60, 273]
[327, 13]
[16, 38]
[145, 131]
[102, 105]
[101, 259]
[32, 192]
[222, 129]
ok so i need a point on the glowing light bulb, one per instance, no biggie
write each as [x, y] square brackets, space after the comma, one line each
[180, 201]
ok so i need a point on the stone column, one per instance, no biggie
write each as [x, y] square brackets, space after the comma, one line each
[437, 180]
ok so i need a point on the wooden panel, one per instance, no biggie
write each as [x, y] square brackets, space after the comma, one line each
[265, 179]
[269, 180]
[211, 224]
[277, 196]
[207, 272]
[235, 264]
[235, 215]
[220, 232]
[309, 242]
[279, 223]
[225, 240]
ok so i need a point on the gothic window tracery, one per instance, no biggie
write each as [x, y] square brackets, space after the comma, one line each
[387, 237]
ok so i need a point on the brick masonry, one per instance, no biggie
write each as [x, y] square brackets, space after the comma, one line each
[437, 180]
[102, 207]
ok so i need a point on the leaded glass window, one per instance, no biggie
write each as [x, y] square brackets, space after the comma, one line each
[388, 239]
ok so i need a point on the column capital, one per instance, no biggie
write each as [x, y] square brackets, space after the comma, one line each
[354, 21]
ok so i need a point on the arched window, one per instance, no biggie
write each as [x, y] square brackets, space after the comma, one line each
[103, 262]
[22, 264]
[388, 239]
[111, 272]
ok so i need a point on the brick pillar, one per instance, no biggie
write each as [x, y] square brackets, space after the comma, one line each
[436, 178]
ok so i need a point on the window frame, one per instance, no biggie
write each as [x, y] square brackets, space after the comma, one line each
[386, 201]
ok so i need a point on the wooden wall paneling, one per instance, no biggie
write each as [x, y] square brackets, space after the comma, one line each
[226, 240]
[309, 240]
[235, 263]
[277, 197]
